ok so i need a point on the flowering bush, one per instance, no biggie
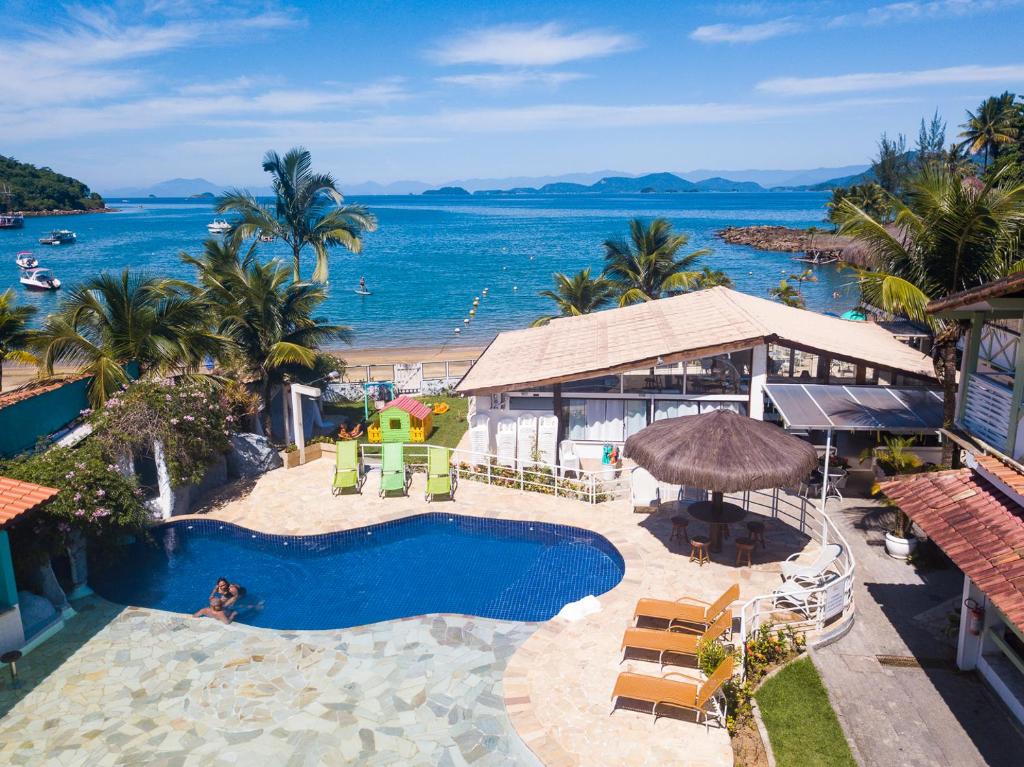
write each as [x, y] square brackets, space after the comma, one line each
[94, 498]
[191, 419]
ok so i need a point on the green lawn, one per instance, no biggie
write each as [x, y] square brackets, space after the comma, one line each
[802, 726]
[448, 428]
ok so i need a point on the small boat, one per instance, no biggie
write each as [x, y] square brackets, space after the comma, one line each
[25, 260]
[58, 237]
[267, 238]
[39, 279]
[11, 221]
[218, 226]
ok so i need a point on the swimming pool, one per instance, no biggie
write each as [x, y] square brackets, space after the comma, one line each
[428, 563]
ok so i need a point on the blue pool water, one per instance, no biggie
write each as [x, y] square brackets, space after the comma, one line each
[429, 563]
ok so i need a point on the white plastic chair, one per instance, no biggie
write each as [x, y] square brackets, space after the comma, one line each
[814, 572]
[643, 489]
[567, 458]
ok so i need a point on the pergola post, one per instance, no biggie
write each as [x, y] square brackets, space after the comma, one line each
[824, 486]
[758, 378]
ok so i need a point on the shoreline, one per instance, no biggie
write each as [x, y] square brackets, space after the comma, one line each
[60, 212]
[19, 375]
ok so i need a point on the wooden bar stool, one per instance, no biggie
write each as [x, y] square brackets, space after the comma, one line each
[699, 549]
[756, 533]
[744, 550]
[679, 525]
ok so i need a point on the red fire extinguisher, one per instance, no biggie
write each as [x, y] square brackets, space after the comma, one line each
[975, 616]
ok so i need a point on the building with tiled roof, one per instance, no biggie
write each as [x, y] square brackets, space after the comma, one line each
[976, 514]
[17, 499]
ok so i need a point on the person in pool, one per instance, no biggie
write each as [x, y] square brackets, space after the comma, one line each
[216, 610]
[226, 591]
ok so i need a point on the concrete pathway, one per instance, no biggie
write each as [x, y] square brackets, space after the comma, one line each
[920, 715]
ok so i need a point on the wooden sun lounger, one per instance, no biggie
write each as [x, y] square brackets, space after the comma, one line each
[673, 642]
[675, 690]
[687, 610]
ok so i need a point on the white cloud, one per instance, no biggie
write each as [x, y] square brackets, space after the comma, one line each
[537, 46]
[503, 81]
[745, 33]
[915, 10]
[876, 81]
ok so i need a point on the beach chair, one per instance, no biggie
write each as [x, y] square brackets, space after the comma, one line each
[811, 574]
[678, 691]
[394, 476]
[348, 472]
[441, 477]
[687, 610]
[674, 642]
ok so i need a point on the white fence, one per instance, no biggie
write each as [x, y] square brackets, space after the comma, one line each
[534, 476]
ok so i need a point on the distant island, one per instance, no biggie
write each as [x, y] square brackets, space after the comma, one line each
[651, 183]
[202, 196]
[448, 191]
[28, 189]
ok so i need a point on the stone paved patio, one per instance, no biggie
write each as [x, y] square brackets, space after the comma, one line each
[160, 682]
[160, 689]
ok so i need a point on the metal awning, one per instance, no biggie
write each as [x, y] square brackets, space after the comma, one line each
[857, 408]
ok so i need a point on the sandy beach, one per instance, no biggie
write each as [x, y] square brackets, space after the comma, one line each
[19, 375]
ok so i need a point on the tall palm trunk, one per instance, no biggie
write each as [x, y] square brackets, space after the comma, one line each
[265, 418]
[296, 247]
[946, 369]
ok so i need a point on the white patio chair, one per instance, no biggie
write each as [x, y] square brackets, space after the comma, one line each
[644, 490]
[567, 458]
[811, 574]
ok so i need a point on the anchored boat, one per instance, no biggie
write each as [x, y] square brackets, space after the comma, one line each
[11, 221]
[218, 226]
[58, 237]
[25, 260]
[39, 279]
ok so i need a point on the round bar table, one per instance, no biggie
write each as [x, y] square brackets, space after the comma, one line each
[717, 515]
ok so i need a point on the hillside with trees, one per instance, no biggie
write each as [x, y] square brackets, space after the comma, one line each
[24, 187]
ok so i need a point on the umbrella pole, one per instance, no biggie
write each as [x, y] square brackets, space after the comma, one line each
[717, 503]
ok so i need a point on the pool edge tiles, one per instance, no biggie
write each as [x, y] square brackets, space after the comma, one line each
[421, 564]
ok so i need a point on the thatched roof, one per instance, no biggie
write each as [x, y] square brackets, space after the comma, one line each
[721, 451]
[686, 327]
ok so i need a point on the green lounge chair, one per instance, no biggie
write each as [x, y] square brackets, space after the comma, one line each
[441, 477]
[394, 476]
[348, 472]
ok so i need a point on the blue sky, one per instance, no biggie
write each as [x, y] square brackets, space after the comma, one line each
[134, 92]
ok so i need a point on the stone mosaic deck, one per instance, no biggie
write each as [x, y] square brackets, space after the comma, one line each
[154, 688]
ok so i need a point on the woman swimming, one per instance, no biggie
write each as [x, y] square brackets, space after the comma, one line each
[217, 609]
[226, 591]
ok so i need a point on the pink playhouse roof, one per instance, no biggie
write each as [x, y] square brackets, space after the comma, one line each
[413, 407]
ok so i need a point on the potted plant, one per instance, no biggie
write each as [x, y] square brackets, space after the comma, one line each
[892, 459]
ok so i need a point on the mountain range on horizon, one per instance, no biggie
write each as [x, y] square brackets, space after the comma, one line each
[751, 180]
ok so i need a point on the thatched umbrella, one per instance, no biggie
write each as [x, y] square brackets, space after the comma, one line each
[721, 451]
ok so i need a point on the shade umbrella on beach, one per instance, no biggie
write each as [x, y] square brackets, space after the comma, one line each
[721, 452]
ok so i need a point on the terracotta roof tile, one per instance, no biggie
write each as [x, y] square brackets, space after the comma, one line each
[35, 388]
[976, 524]
[17, 497]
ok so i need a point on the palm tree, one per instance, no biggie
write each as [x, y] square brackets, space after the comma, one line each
[308, 211]
[647, 268]
[787, 293]
[711, 278]
[114, 320]
[991, 126]
[267, 319]
[14, 332]
[578, 294]
[950, 235]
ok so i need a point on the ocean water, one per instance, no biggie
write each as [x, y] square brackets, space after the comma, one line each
[431, 256]
[428, 563]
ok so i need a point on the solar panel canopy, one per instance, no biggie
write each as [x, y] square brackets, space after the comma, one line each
[857, 408]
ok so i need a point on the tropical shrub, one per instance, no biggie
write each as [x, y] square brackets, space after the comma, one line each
[190, 419]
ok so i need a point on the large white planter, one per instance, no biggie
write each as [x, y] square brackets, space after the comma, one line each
[899, 548]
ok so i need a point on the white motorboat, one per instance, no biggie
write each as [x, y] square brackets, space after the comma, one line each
[39, 279]
[59, 237]
[218, 226]
[25, 260]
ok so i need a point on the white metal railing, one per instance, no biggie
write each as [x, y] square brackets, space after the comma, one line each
[998, 346]
[831, 600]
[532, 476]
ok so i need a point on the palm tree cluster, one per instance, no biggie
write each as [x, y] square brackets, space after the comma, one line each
[948, 234]
[645, 267]
[993, 126]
